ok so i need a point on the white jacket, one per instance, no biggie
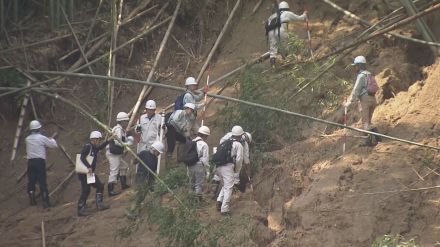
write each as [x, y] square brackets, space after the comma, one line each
[150, 129]
[286, 16]
[36, 144]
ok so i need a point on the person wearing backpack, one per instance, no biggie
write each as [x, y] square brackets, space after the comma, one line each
[277, 31]
[197, 161]
[229, 155]
[190, 95]
[245, 140]
[114, 153]
[148, 126]
[179, 126]
[363, 91]
[36, 145]
[92, 148]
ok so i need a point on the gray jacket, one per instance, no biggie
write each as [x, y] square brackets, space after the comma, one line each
[360, 87]
[182, 122]
[191, 97]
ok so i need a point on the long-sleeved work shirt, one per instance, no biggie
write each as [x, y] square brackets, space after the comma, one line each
[246, 151]
[360, 86]
[202, 151]
[192, 97]
[182, 122]
[36, 145]
[285, 16]
[149, 128]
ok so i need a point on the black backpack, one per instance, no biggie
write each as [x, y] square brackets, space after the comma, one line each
[272, 24]
[223, 155]
[178, 104]
[190, 154]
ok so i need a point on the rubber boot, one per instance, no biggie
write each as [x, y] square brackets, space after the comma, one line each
[124, 184]
[378, 138]
[100, 202]
[46, 203]
[111, 190]
[82, 209]
[32, 200]
[272, 62]
[219, 206]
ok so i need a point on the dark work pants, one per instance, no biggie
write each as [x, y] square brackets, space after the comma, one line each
[36, 172]
[172, 137]
[144, 177]
[85, 188]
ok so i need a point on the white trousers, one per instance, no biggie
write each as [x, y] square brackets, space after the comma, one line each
[274, 42]
[226, 174]
[116, 167]
[196, 174]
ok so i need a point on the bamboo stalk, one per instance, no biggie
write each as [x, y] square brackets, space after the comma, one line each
[43, 234]
[217, 42]
[89, 34]
[20, 124]
[63, 150]
[83, 55]
[62, 183]
[386, 30]
[76, 49]
[378, 27]
[156, 62]
[244, 102]
[130, 19]
[138, 8]
[43, 89]
[257, 6]
[36, 43]
[91, 62]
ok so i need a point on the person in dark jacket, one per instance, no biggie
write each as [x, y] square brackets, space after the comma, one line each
[91, 149]
[145, 178]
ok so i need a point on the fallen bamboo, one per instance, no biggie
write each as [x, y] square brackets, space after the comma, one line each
[63, 150]
[398, 191]
[385, 30]
[217, 42]
[81, 50]
[257, 6]
[34, 109]
[257, 105]
[43, 234]
[153, 69]
[377, 27]
[84, 47]
[43, 89]
[20, 124]
[89, 53]
[92, 25]
[236, 70]
[138, 8]
[36, 43]
[91, 62]
[60, 185]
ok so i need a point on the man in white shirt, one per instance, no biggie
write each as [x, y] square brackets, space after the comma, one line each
[226, 172]
[36, 145]
[278, 34]
[149, 126]
[197, 172]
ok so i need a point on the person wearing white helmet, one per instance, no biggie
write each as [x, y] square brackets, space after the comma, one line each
[144, 177]
[197, 172]
[245, 140]
[227, 172]
[179, 126]
[91, 149]
[277, 30]
[36, 145]
[114, 154]
[148, 126]
[191, 94]
[367, 100]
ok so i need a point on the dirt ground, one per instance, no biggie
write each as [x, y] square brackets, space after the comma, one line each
[313, 194]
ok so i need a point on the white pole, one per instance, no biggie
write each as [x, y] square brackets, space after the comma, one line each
[206, 97]
[160, 139]
[345, 130]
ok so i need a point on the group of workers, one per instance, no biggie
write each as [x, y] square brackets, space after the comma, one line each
[179, 126]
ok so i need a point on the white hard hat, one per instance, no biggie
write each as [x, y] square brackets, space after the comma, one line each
[283, 5]
[130, 139]
[237, 130]
[190, 81]
[158, 146]
[249, 136]
[34, 125]
[204, 130]
[359, 59]
[190, 105]
[150, 105]
[95, 135]
[122, 116]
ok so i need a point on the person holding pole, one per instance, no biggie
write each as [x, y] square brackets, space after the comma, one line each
[363, 91]
[36, 145]
[91, 149]
[277, 30]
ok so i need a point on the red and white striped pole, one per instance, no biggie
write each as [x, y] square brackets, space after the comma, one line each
[206, 96]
